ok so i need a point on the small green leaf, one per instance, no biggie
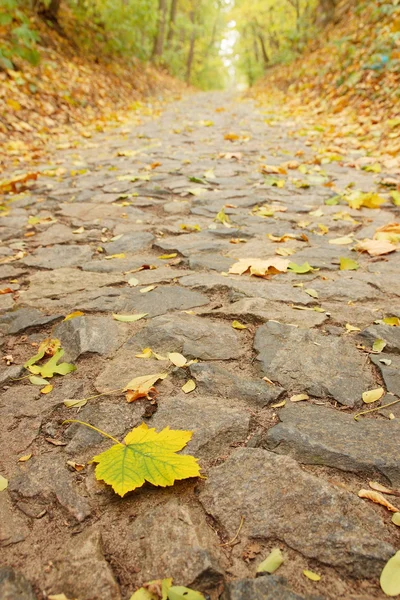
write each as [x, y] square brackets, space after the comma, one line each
[378, 345]
[178, 592]
[348, 264]
[272, 562]
[395, 197]
[300, 269]
[35, 380]
[3, 483]
[390, 576]
[129, 318]
[312, 293]
[311, 575]
[396, 519]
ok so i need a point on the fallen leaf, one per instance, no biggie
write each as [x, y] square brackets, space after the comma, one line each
[378, 487]
[223, 218]
[25, 458]
[141, 387]
[168, 256]
[299, 397]
[6, 291]
[238, 325]
[76, 466]
[260, 267]
[3, 483]
[300, 269]
[285, 251]
[390, 576]
[358, 199]
[112, 256]
[342, 241]
[311, 575]
[177, 359]
[378, 345]
[282, 238]
[178, 592]
[129, 318]
[378, 499]
[393, 321]
[73, 315]
[351, 328]
[153, 590]
[51, 367]
[312, 293]
[395, 197]
[146, 353]
[375, 247]
[231, 137]
[272, 562]
[189, 386]
[55, 442]
[35, 380]
[71, 403]
[279, 404]
[133, 282]
[147, 289]
[146, 455]
[373, 395]
[348, 264]
[47, 389]
[396, 519]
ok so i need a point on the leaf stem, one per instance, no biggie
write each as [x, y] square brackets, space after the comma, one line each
[94, 428]
[364, 412]
[233, 540]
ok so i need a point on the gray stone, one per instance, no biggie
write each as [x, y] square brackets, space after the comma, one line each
[263, 588]
[12, 372]
[165, 299]
[279, 500]
[247, 286]
[174, 540]
[303, 360]
[65, 281]
[260, 309]
[14, 586]
[215, 380]
[81, 335]
[6, 302]
[129, 243]
[322, 436]
[194, 336]
[390, 373]
[9, 272]
[58, 256]
[390, 334]
[345, 288]
[82, 571]
[86, 212]
[216, 262]
[117, 418]
[24, 318]
[12, 527]
[214, 429]
[44, 480]
[191, 244]
[125, 366]
[55, 234]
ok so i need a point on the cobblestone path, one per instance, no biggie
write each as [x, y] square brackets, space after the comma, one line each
[279, 473]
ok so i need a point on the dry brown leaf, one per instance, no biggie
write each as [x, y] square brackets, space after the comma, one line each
[378, 499]
[260, 267]
[375, 247]
[378, 487]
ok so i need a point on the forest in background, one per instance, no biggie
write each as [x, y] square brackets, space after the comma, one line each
[82, 63]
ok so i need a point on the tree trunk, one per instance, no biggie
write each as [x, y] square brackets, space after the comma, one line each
[263, 49]
[49, 12]
[191, 50]
[172, 19]
[160, 35]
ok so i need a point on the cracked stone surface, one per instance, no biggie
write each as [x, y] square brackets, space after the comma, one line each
[320, 436]
[263, 486]
[293, 470]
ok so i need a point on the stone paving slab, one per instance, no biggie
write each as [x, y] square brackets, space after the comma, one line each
[126, 238]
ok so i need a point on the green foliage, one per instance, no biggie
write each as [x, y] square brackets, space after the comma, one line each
[21, 39]
[271, 32]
